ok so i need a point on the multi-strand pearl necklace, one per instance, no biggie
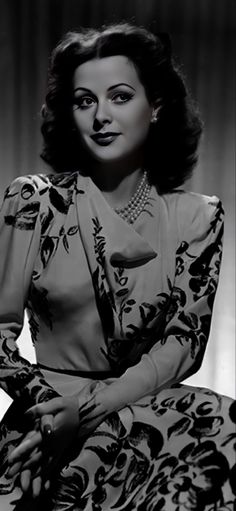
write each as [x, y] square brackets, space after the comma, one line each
[137, 202]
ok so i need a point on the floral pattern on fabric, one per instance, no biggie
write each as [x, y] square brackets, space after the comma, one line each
[102, 295]
[174, 463]
[166, 452]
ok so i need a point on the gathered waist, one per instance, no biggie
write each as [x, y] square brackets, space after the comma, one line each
[93, 375]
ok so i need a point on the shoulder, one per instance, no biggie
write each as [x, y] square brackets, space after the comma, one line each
[21, 203]
[36, 183]
[37, 188]
[37, 199]
[196, 204]
[190, 202]
[194, 213]
[25, 187]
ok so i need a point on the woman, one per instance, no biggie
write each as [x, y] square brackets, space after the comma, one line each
[118, 270]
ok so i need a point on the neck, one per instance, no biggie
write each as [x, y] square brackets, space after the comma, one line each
[117, 181]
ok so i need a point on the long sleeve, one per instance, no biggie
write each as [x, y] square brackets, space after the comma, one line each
[19, 243]
[180, 351]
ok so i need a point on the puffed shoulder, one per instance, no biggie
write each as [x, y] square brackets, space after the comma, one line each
[197, 215]
[25, 188]
[21, 202]
[29, 194]
[195, 203]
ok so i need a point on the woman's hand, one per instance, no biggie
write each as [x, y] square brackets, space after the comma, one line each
[44, 449]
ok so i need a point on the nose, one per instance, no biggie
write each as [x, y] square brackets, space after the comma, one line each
[102, 114]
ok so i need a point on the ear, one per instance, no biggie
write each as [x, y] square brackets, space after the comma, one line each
[155, 112]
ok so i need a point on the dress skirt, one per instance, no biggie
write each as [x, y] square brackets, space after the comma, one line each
[170, 452]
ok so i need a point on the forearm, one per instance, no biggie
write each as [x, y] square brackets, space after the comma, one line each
[162, 367]
[156, 370]
[19, 378]
[111, 397]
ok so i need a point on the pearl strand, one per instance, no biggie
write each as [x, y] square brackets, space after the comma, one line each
[136, 204]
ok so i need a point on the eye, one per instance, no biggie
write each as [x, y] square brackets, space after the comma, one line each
[122, 97]
[83, 102]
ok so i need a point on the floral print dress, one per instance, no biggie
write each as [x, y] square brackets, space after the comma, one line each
[119, 314]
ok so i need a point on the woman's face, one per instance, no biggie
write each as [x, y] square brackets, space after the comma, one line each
[110, 108]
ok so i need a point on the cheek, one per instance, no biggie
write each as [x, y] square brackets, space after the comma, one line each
[144, 116]
[139, 118]
[141, 125]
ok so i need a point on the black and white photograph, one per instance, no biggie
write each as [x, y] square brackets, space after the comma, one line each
[117, 255]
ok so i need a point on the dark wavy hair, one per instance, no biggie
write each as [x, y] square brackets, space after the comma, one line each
[171, 146]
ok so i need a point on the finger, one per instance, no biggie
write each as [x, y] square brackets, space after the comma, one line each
[29, 435]
[47, 485]
[46, 468]
[36, 486]
[12, 471]
[29, 462]
[15, 469]
[48, 407]
[25, 447]
[53, 466]
[60, 420]
[34, 460]
[46, 425]
[25, 479]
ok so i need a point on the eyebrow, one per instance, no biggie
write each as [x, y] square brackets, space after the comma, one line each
[110, 88]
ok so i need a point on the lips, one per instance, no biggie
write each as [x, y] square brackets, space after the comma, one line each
[104, 134]
[105, 138]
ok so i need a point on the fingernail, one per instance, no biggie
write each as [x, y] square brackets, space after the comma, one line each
[47, 430]
[10, 474]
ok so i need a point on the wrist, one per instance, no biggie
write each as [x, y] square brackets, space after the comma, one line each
[46, 394]
[92, 411]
